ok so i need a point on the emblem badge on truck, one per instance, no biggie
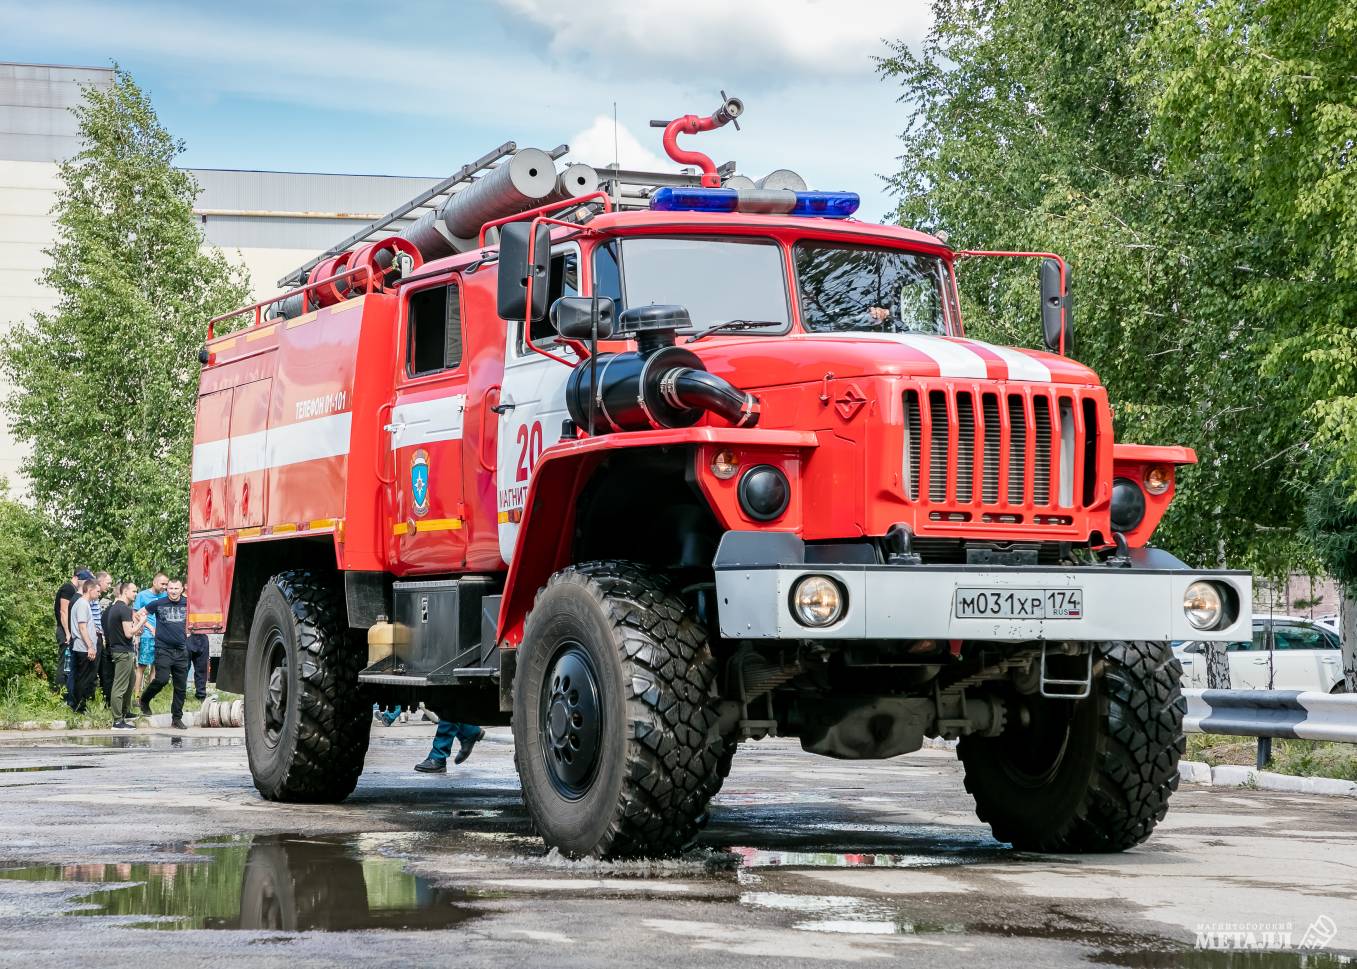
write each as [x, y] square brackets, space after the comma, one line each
[419, 481]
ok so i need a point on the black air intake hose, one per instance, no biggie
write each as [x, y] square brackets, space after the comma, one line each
[685, 387]
[651, 389]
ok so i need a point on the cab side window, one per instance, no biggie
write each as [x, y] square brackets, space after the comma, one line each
[565, 281]
[434, 331]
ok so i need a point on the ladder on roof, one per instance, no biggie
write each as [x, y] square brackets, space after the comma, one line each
[629, 189]
[407, 212]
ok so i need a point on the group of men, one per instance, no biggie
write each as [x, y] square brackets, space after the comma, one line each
[133, 643]
[117, 644]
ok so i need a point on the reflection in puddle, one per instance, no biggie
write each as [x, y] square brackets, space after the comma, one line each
[277, 883]
[772, 858]
[25, 770]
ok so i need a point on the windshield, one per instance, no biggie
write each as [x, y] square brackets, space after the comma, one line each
[715, 280]
[847, 288]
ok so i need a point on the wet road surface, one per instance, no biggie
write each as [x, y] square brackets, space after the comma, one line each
[156, 851]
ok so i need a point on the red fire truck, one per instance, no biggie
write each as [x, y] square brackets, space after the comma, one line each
[649, 465]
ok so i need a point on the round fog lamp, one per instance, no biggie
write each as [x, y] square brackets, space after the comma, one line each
[817, 600]
[1203, 605]
[725, 464]
[1128, 505]
[764, 493]
[1157, 479]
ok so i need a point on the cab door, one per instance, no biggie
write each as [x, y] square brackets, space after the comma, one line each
[532, 399]
[429, 517]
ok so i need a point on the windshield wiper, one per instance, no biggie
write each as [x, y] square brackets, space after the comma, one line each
[732, 325]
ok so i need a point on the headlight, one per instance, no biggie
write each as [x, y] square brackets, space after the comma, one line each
[1203, 605]
[1157, 479]
[764, 493]
[818, 600]
[1128, 505]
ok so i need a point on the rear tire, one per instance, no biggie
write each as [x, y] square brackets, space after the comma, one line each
[306, 718]
[614, 721]
[1090, 775]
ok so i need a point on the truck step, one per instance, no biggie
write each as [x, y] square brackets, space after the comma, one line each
[389, 672]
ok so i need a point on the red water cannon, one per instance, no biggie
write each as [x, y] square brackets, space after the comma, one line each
[691, 124]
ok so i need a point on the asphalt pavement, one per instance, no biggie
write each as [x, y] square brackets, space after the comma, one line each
[154, 850]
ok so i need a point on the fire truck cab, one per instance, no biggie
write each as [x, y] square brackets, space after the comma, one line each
[654, 470]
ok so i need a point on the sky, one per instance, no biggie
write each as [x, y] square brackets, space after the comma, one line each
[420, 87]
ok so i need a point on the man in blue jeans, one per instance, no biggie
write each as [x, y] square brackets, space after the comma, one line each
[468, 734]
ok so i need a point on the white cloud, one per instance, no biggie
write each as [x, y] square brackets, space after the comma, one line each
[753, 37]
[802, 66]
[594, 146]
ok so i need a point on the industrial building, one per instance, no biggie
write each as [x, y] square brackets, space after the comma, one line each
[270, 222]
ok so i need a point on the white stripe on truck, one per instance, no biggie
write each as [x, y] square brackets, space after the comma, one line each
[277, 447]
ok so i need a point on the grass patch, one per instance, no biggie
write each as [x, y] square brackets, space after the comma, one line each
[26, 698]
[1300, 758]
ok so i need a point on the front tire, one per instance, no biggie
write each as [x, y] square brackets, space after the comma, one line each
[306, 720]
[1092, 775]
[615, 730]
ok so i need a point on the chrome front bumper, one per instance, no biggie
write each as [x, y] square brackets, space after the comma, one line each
[756, 572]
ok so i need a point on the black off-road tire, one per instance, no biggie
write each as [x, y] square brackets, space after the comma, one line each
[306, 717]
[658, 752]
[1092, 775]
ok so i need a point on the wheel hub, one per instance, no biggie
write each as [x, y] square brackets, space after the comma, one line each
[571, 721]
[276, 694]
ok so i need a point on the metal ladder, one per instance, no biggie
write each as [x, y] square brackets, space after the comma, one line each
[397, 219]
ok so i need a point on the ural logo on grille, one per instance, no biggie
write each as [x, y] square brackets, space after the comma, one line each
[850, 402]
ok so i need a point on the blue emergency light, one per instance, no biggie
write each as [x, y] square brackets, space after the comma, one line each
[823, 205]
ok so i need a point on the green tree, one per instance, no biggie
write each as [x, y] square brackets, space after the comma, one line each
[1267, 89]
[105, 382]
[1049, 127]
[27, 570]
[1331, 522]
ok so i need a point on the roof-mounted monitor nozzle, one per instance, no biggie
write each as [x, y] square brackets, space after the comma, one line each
[691, 124]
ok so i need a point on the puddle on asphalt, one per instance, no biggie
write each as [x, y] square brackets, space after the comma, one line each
[264, 883]
[153, 740]
[776, 858]
[25, 770]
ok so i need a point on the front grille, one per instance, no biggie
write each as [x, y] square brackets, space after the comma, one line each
[1011, 451]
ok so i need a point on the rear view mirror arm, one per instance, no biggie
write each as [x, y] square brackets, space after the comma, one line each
[1064, 280]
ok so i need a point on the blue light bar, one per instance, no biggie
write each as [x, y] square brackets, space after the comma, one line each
[822, 205]
[671, 199]
[826, 205]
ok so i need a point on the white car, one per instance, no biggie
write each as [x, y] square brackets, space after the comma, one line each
[1285, 653]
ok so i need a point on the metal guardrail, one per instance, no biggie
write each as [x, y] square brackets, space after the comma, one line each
[1266, 714]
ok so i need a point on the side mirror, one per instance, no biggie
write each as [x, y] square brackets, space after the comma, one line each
[514, 271]
[1056, 323]
[573, 317]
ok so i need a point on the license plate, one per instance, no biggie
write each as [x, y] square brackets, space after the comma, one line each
[1019, 603]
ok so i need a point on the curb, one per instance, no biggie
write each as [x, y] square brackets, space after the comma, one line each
[1229, 775]
[155, 720]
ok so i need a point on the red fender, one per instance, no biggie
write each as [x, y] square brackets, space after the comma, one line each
[545, 535]
[1134, 461]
